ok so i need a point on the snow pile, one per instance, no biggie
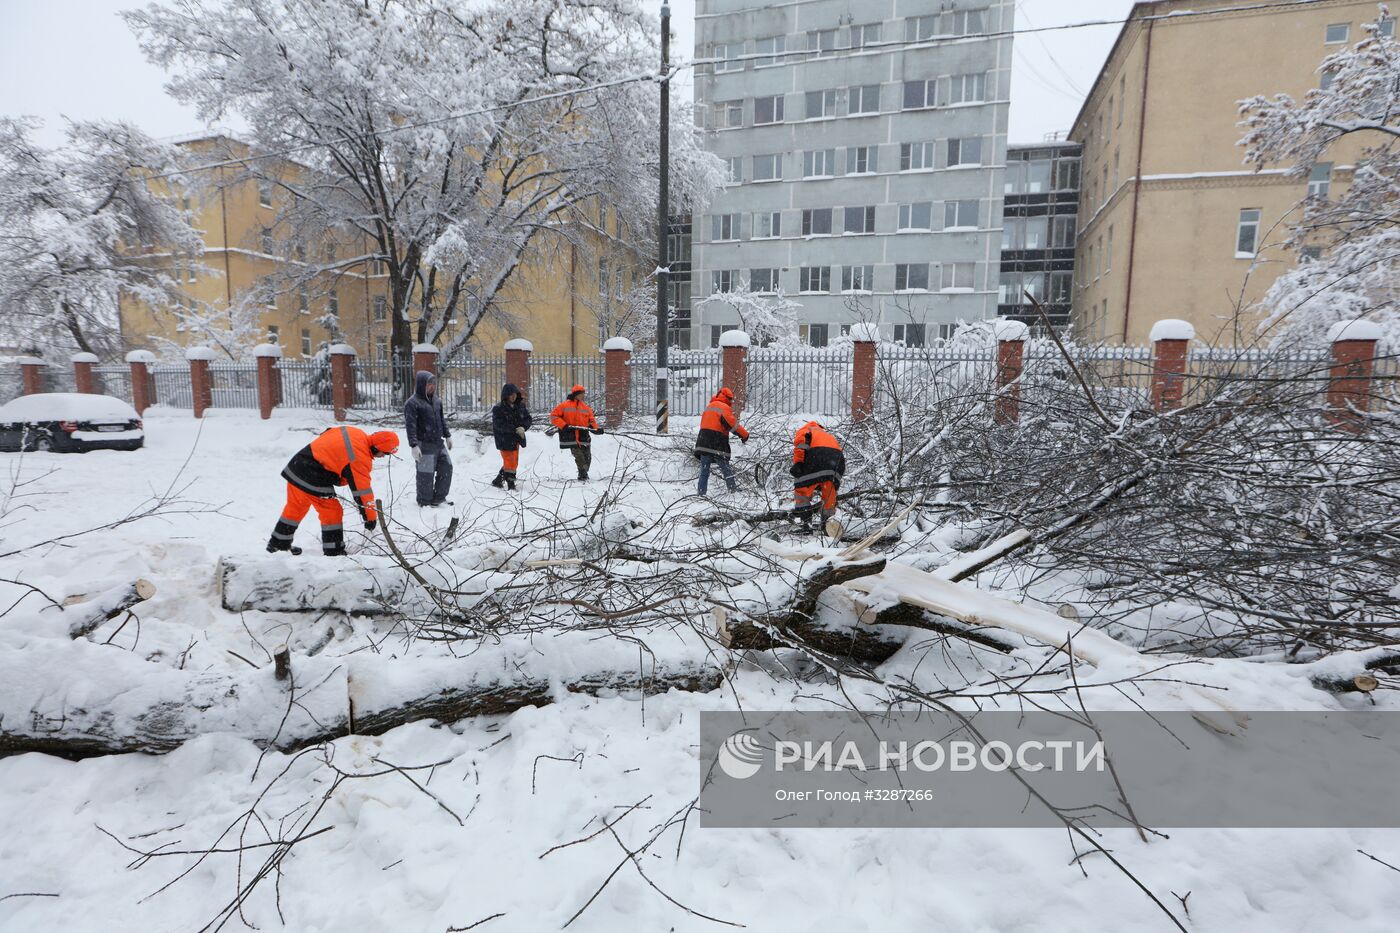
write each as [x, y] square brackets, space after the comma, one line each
[66, 406]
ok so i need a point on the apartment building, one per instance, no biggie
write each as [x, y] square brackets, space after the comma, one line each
[1038, 232]
[865, 144]
[1172, 223]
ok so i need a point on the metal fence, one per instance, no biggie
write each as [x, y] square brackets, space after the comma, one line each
[694, 376]
[800, 380]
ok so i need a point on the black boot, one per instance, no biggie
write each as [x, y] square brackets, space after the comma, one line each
[510, 481]
[500, 479]
[582, 476]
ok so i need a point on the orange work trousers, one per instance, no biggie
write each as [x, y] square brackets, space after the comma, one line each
[510, 459]
[826, 489]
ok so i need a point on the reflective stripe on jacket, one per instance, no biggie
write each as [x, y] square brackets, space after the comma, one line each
[339, 457]
[816, 456]
[716, 424]
[574, 419]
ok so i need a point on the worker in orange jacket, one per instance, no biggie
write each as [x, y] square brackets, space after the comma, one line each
[712, 444]
[817, 467]
[339, 457]
[576, 425]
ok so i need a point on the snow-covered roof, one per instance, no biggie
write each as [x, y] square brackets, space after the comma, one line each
[618, 343]
[140, 356]
[268, 349]
[84, 358]
[865, 332]
[424, 348]
[199, 353]
[734, 338]
[1010, 331]
[520, 343]
[66, 406]
[1172, 329]
[1353, 330]
[341, 349]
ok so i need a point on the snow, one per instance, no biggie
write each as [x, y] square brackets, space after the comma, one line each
[268, 349]
[84, 358]
[141, 356]
[1171, 329]
[520, 343]
[617, 343]
[30, 361]
[1354, 330]
[734, 338]
[67, 406]
[340, 349]
[1005, 329]
[424, 348]
[199, 353]
[865, 332]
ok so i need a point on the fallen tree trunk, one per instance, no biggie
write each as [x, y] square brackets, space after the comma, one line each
[85, 614]
[1348, 673]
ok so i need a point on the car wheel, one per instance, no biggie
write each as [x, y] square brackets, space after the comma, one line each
[43, 444]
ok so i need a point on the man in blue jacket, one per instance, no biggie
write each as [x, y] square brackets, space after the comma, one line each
[426, 428]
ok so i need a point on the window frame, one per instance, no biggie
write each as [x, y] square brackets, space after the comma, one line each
[863, 283]
[928, 94]
[905, 221]
[1253, 225]
[777, 50]
[960, 143]
[905, 271]
[928, 155]
[863, 160]
[827, 100]
[861, 92]
[722, 224]
[775, 230]
[956, 209]
[773, 160]
[865, 218]
[827, 158]
[1327, 34]
[954, 269]
[810, 216]
[776, 101]
[822, 275]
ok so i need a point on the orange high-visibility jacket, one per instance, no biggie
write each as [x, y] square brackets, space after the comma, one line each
[339, 457]
[816, 456]
[716, 424]
[574, 419]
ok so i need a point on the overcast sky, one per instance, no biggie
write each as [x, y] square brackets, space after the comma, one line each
[75, 58]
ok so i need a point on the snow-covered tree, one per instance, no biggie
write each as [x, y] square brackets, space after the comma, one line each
[767, 317]
[82, 227]
[1356, 233]
[455, 140]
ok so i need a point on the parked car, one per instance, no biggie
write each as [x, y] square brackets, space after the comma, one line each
[69, 422]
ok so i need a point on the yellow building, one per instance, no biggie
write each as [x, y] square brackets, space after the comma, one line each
[1173, 224]
[565, 298]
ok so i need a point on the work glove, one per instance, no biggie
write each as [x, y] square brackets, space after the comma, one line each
[449, 443]
[597, 430]
[520, 431]
[369, 525]
[550, 432]
[417, 454]
[795, 470]
[744, 439]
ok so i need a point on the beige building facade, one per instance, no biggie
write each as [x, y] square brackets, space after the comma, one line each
[1173, 224]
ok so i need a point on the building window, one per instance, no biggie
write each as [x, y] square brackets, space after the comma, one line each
[919, 28]
[915, 156]
[911, 277]
[1116, 154]
[816, 221]
[1122, 97]
[857, 278]
[305, 342]
[763, 281]
[274, 333]
[729, 114]
[1310, 254]
[862, 160]
[265, 192]
[381, 308]
[716, 330]
[772, 48]
[767, 110]
[190, 273]
[859, 220]
[964, 22]
[821, 104]
[957, 276]
[1061, 287]
[1247, 234]
[733, 170]
[1062, 236]
[911, 335]
[1108, 252]
[818, 163]
[376, 266]
[1386, 27]
[916, 216]
[822, 41]
[965, 151]
[381, 349]
[1009, 288]
[724, 227]
[1327, 78]
[303, 302]
[265, 241]
[814, 279]
[967, 89]
[920, 94]
[863, 98]
[722, 280]
[862, 36]
[960, 214]
[814, 335]
[768, 167]
[1033, 233]
[728, 54]
[1320, 180]
[333, 304]
[767, 225]
[1338, 33]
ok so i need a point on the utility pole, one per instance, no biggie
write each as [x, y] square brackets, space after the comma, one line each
[663, 229]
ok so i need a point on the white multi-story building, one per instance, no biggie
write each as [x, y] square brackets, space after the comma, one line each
[866, 144]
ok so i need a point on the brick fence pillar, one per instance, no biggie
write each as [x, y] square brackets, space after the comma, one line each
[342, 379]
[1170, 339]
[518, 365]
[734, 344]
[617, 378]
[867, 341]
[425, 358]
[201, 384]
[1349, 383]
[269, 378]
[143, 388]
[31, 370]
[1011, 354]
[84, 380]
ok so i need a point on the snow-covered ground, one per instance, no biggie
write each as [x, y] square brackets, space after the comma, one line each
[503, 794]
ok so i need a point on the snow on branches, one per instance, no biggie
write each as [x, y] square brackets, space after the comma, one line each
[767, 317]
[1355, 232]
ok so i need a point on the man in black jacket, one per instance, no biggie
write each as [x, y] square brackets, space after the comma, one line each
[510, 419]
[426, 427]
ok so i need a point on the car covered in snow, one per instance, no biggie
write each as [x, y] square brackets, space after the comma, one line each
[69, 422]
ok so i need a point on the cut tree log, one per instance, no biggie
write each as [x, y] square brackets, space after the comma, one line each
[86, 613]
[1356, 672]
[303, 584]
